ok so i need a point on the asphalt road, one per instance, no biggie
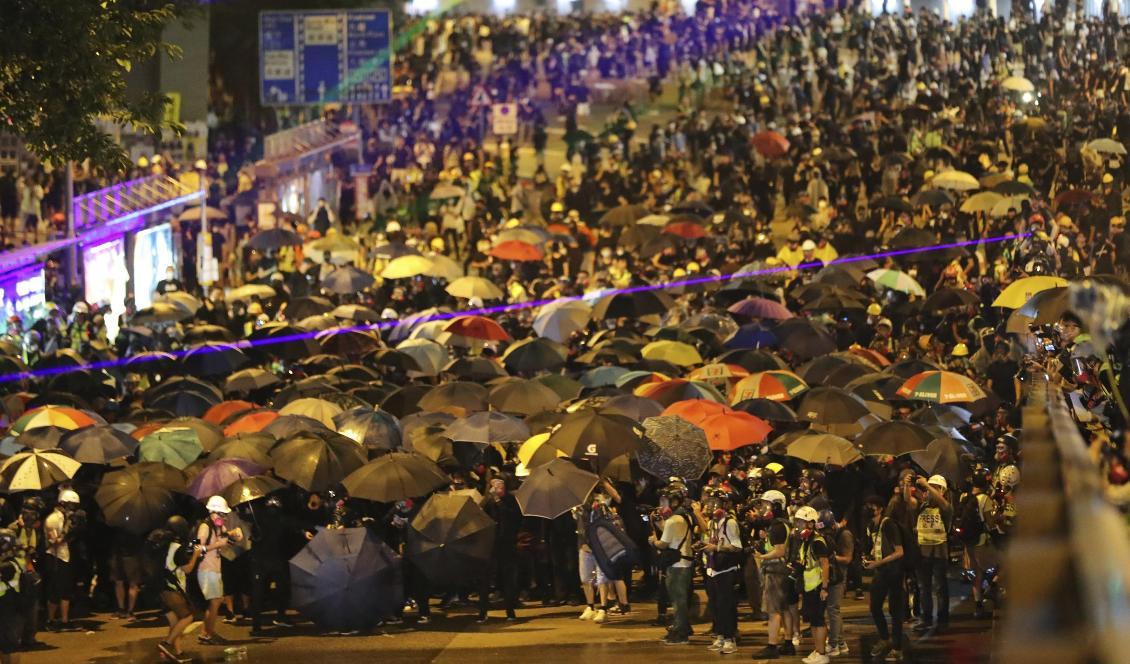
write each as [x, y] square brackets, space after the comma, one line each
[542, 635]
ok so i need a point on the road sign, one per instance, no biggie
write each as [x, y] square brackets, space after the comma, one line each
[504, 119]
[317, 57]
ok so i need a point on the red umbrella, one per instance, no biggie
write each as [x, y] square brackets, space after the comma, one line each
[477, 327]
[685, 229]
[516, 250]
[770, 143]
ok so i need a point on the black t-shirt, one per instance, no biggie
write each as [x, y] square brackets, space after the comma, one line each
[1003, 373]
[890, 536]
[778, 533]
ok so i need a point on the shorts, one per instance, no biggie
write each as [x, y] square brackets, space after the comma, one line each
[779, 593]
[211, 584]
[126, 569]
[812, 611]
[176, 602]
[590, 571]
[60, 579]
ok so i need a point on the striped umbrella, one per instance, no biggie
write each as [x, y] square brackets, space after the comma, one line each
[775, 385]
[678, 389]
[941, 387]
[55, 416]
[35, 470]
[718, 372]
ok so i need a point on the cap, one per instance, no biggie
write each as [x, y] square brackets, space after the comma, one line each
[938, 481]
[960, 350]
[806, 513]
[808, 245]
[874, 309]
[68, 496]
[217, 504]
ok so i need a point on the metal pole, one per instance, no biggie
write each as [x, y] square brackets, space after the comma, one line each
[69, 204]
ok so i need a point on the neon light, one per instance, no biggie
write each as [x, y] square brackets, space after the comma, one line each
[516, 306]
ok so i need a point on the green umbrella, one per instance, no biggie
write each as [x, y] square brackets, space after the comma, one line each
[176, 446]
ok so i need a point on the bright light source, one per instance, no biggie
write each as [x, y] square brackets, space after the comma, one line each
[1026, 97]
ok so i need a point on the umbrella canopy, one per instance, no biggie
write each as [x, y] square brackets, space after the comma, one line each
[894, 438]
[941, 387]
[36, 470]
[487, 427]
[478, 369]
[623, 215]
[225, 410]
[247, 489]
[254, 447]
[251, 422]
[601, 437]
[676, 352]
[140, 497]
[696, 411]
[315, 463]
[633, 304]
[955, 180]
[535, 354]
[429, 355]
[450, 540]
[1046, 307]
[1017, 84]
[469, 287]
[804, 338]
[534, 452]
[98, 445]
[728, 431]
[305, 307]
[406, 267]
[395, 476]
[316, 409]
[565, 387]
[719, 373]
[356, 313]
[176, 446]
[274, 238]
[1020, 291]
[896, 280]
[941, 458]
[770, 144]
[516, 250]
[824, 448]
[249, 380]
[373, 428]
[214, 359]
[560, 319]
[831, 405]
[457, 398]
[347, 279]
[673, 447]
[554, 488]
[760, 307]
[55, 416]
[249, 291]
[947, 298]
[350, 343]
[477, 327]
[523, 397]
[776, 385]
[219, 475]
[668, 392]
[1105, 146]
[344, 578]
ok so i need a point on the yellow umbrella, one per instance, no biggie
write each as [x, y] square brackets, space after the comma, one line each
[1018, 84]
[1005, 204]
[956, 180]
[981, 202]
[676, 352]
[406, 267]
[318, 409]
[333, 242]
[470, 287]
[1022, 290]
[534, 452]
[444, 268]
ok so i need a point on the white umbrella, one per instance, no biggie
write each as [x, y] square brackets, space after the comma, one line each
[559, 320]
[248, 291]
[428, 354]
[35, 470]
[1105, 146]
[1018, 84]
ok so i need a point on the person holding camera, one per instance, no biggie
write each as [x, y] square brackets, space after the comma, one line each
[676, 558]
[935, 515]
[60, 571]
[28, 530]
[11, 608]
[211, 537]
[178, 557]
[723, 550]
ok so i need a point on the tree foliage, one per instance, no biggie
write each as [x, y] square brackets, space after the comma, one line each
[63, 65]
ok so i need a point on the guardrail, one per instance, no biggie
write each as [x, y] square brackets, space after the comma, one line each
[1067, 568]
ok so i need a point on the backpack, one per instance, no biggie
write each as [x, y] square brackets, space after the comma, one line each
[969, 525]
[611, 546]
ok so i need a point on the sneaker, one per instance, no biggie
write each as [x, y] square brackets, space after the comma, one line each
[600, 616]
[880, 649]
[204, 639]
[838, 651]
[587, 614]
[796, 640]
[717, 645]
[768, 652]
[481, 619]
[391, 620]
[230, 620]
[816, 658]
[282, 623]
[787, 648]
[923, 626]
[832, 651]
[675, 641]
[423, 620]
[131, 619]
[894, 656]
[616, 612]
[728, 647]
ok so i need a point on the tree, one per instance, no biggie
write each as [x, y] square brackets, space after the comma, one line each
[63, 66]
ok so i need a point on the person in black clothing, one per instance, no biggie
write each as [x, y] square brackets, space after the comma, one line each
[277, 539]
[884, 557]
[501, 506]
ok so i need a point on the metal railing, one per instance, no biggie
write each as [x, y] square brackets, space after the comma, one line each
[125, 198]
[1067, 567]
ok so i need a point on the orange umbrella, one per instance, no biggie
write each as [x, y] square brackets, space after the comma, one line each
[770, 143]
[728, 431]
[775, 385]
[477, 327]
[147, 428]
[687, 230]
[225, 409]
[696, 411]
[516, 250]
[873, 356]
[251, 423]
[941, 387]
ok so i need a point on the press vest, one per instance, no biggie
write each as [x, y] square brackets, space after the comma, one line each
[931, 527]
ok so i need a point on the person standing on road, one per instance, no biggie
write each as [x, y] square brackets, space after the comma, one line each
[28, 529]
[11, 608]
[212, 537]
[676, 557]
[815, 574]
[841, 544]
[934, 518]
[723, 551]
[60, 573]
[176, 558]
[884, 559]
[773, 559]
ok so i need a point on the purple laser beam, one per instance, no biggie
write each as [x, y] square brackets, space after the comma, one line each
[504, 308]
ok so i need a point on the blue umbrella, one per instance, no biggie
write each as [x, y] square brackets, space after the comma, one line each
[752, 336]
[345, 578]
[602, 376]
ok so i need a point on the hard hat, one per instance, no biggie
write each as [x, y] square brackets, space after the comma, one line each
[775, 468]
[557, 207]
[392, 227]
[808, 245]
[938, 481]
[960, 350]
[437, 244]
[217, 504]
[1107, 178]
[200, 165]
[574, 214]
[774, 496]
[513, 223]
[1009, 475]
[389, 313]
[874, 309]
[806, 513]
[1023, 169]
[142, 162]
[678, 272]
[885, 321]
[693, 267]
[68, 496]
[928, 175]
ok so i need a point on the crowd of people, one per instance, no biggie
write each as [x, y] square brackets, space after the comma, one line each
[910, 204]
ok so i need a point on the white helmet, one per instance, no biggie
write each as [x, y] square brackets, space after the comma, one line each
[806, 513]
[1009, 476]
[218, 504]
[938, 481]
[774, 496]
[68, 496]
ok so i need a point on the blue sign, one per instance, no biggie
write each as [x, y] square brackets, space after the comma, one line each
[317, 57]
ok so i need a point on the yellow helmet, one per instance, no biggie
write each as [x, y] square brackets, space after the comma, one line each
[557, 207]
[960, 350]
[874, 309]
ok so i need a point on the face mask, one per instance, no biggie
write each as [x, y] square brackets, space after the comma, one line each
[719, 513]
[217, 520]
[806, 533]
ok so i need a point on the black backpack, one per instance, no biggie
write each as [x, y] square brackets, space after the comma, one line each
[969, 526]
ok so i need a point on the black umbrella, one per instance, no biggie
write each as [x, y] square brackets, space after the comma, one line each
[911, 367]
[945, 298]
[1013, 188]
[450, 540]
[894, 438]
[197, 333]
[253, 487]
[457, 398]
[97, 445]
[152, 362]
[315, 463]
[831, 405]
[623, 215]
[392, 359]
[349, 343]
[140, 497]
[395, 476]
[374, 428]
[287, 426]
[286, 341]
[405, 400]
[767, 409]
[274, 238]
[42, 438]
[630, 406]
[535, 354]
[214, 359]
[250, 380]
[523, 397]
[600, 437]
[187, 403]
[474, 368]
[254, 447]
[673, 447]
[932, 197]
[893, 203]
[345, 578]
[554, 488]
[632, 305]
[304, 307]
[753, 359]
[804, 338]
[183, 384]
[942, 456]
[347, 279]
